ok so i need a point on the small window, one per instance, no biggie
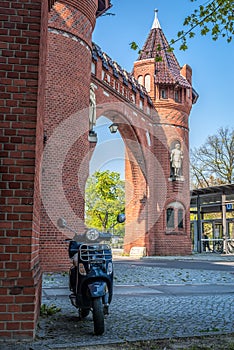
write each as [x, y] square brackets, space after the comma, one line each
[117, 86]
[178, 95]
[170, 218]
[141, 104]
[148, 138]
[147, 82]
[163, 93]
[140, 79]
[180, 218]
[93, 68]
[105, 77]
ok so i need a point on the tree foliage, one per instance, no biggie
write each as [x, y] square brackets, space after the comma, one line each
[213, 163]
[214, 17]
[105, 199]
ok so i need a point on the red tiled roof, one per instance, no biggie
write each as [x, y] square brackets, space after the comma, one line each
[167, 70]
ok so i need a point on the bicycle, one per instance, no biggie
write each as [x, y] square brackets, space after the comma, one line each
[230, 246]
[218, 246]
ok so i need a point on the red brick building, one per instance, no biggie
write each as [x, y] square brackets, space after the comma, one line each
[48, 62]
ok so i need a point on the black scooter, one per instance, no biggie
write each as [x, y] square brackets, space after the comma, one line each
[91, 276]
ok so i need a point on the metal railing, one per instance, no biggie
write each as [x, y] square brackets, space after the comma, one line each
[217, 244]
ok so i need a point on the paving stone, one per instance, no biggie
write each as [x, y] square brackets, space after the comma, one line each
[145, 314]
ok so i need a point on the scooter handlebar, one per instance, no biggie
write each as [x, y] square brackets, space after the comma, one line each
[91, 235]
[105, 236]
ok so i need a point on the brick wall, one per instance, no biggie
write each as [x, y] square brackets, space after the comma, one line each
[23, 45]
[67, 150]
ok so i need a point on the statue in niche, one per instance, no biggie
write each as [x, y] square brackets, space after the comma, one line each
[92, 107]
[176, 160]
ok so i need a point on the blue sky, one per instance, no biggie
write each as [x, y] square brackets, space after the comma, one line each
[211, 62]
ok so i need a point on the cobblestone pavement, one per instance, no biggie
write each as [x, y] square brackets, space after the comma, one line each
[142, 316]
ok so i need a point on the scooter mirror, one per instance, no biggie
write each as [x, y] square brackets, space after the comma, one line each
[121, 218]
[61, 222]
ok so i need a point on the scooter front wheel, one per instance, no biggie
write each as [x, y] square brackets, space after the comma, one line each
[98, 316]
[83, 313]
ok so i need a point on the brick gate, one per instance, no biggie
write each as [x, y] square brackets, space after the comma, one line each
[48, 63]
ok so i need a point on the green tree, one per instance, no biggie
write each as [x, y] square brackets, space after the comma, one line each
[213, 163]
[214, 18]
[104, 199]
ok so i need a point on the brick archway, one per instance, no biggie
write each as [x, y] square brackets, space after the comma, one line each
[123, 100]
[146, 182]
[136, 173]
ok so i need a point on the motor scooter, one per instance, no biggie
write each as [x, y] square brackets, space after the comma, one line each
[91, 274]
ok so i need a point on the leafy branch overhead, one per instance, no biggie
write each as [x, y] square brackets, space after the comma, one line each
[214, 17]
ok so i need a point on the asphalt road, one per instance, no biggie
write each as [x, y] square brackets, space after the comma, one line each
[214, 265]
[174, 290]
[142, 289]
[177, 289]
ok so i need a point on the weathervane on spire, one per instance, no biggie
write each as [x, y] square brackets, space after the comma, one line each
[156, 24]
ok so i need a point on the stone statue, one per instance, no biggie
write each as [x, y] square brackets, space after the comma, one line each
[92, 107]
[176, 160]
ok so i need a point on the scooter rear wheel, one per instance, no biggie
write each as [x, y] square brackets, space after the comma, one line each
[98, 316]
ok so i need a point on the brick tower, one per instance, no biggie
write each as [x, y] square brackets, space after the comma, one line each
[170, 88]
[67, 150]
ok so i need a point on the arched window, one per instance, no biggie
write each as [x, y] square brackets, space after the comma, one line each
[147, 82]
[140, 79]
[180, 218]
[175, 217]
[170, 218]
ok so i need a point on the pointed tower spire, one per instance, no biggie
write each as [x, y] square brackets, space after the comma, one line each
[156, 24]
[168, 68]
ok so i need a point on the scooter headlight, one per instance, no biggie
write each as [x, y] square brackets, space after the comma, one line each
[75, 259]
[109, 268]
[92, 234]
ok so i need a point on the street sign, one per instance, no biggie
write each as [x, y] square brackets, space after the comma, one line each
[229, 206]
